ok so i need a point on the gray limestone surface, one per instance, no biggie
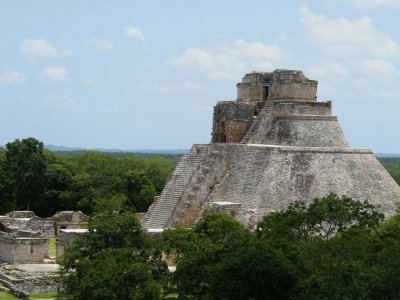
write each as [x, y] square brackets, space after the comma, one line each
[33, 268]
[290, 149]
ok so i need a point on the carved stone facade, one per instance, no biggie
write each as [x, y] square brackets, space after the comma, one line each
[273, 145]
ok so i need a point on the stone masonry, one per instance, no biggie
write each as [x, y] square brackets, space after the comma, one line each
[24, 237]
[274, 145]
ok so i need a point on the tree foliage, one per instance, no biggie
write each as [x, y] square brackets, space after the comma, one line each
[36, 179]
[392, 165]
[115, 260]
[24, 174]
[336, 248]
[220, 259]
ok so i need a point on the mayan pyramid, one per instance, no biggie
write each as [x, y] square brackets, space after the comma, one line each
[274, 145]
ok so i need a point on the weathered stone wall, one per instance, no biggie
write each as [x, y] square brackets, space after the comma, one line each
[41, 286]
[298, 108]
[23, 250]
[46, 226]
[65, 239]
[252, 93]
[289, 76]
[281, 84]
[302, 131]
[231, 121]
[27, 220]
[229, 208]
[280, 175]
[22, 214]
[294, 91]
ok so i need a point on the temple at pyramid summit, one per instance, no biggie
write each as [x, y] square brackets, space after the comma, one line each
[275, 144]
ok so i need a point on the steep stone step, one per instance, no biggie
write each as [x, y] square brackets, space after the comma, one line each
[6, 283]
[161, 210]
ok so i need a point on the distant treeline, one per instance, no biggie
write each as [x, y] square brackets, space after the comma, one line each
[173, 158]
[392, 165]
[33, 178]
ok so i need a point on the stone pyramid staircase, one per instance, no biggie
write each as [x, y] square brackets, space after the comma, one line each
[256, 123]
[162, 209]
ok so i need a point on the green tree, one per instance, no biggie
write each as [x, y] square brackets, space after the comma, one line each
[58, 182]
[24, 174]
[113, 261]
[387, 258]
[331, 215]
[330, 246]
[140, 190]
[342, 267]
[325, 217]
[220, 259]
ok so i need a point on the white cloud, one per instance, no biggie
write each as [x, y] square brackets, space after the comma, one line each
[342, 36]
[370, 4]
[330, 68]
[379, 66]
[228, 62]
[259, 50]
[12, 77]
[41, 48]
[88, 81]
[134, 32]
[101, 45]
[62, 102]
[162, 88]
[54, 75]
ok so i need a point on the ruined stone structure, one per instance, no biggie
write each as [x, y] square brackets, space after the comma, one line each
[274, 145]
[70, 220]
[24, 237]
[22, 246]
[66, 237]
[24, 279]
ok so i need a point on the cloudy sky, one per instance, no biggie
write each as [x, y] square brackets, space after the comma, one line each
[146, 74]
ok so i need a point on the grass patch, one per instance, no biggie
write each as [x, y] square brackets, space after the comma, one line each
[52, 247]
[171, 296]
[11, 267]
[47, 296]
[7, 296]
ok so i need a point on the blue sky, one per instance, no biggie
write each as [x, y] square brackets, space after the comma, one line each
[146, 74]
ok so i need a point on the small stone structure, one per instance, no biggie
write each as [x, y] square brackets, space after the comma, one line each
[25, 279]
[70, 220]
[24, 237]
[22, 246]
[65, 239]
[27, 220]
[274, 145]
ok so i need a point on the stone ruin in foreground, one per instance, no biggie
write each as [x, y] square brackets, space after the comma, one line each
[274, 145]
